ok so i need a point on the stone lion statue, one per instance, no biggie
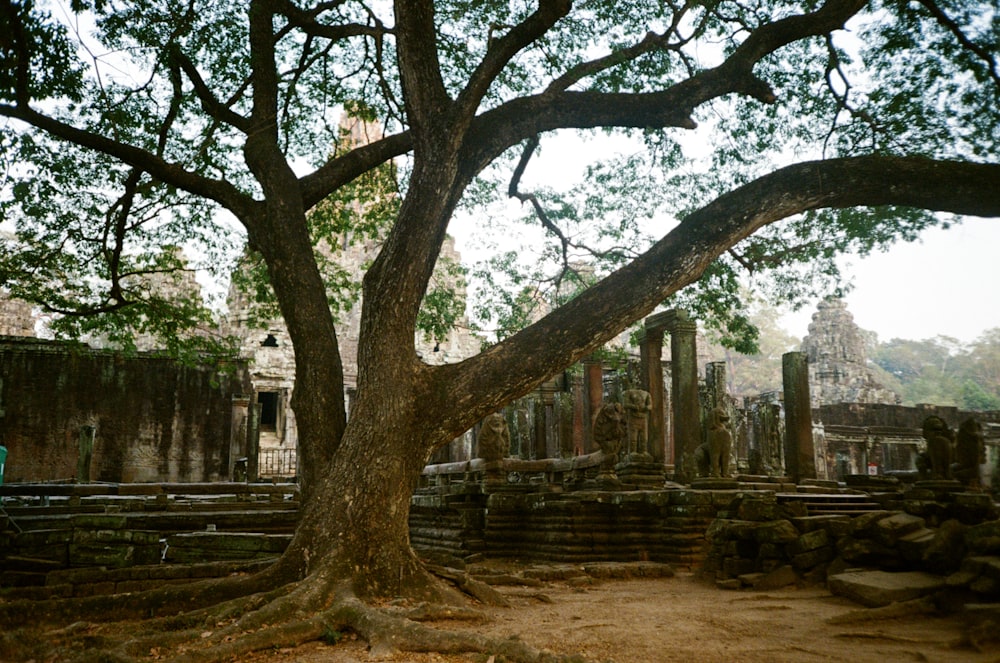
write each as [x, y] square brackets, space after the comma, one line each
[608, 432]
[494, 438]
[938, 437]
[719, 442]
[970, 452]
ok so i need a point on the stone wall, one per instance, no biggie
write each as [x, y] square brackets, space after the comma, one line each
[762, 542]
[142, 418]
[581, 526]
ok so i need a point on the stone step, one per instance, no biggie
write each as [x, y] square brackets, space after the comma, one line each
[832, 503]
[879, 588]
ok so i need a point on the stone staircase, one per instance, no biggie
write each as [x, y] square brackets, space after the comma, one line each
[826, 504]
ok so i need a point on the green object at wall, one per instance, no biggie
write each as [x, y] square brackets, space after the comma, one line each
[3, 461]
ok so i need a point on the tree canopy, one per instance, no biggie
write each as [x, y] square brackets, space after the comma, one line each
[827, 126]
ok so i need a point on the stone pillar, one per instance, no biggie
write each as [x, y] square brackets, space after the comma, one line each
[86, 452]
[593, 398]
[253, 443]
[800, 456]
[715, 380]
[684, 385]
[651, 379]
[238, 436]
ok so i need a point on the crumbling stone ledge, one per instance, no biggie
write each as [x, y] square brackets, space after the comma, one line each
[75, 583]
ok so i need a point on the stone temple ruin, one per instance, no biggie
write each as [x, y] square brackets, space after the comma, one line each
[126, 473]
[121, 477]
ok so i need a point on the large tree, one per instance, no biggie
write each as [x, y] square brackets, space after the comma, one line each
[167, 111]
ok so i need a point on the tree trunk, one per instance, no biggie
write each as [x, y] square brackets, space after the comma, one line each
[356, 526]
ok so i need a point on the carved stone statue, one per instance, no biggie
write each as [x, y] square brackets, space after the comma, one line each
[638, 404]
[970, 452]
[609, 431]
[494, 438]
[719, 442]
[938, 437]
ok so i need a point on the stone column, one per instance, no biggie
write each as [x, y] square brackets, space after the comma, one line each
[86, 452]
[593, 398]
[240, 415]
[715, 380]
[651, 379]
[684, 385]
[253, 442]
[800, 456]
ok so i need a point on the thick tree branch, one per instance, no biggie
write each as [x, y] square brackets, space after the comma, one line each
[209, 103]
[220, 191]
[497, 130]
[342, 169]
[428, 105]
[503, 49]
[308, 23]
[493, 132]
[989, 59]
[585, 323]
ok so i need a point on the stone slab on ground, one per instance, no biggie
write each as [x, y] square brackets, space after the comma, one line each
[875, 589]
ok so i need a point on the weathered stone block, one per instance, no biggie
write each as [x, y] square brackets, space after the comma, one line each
[737, 566]
[42, 537]
[750, 579]
[945, 552]
[835, 524]
[985, 585]
[759, 508]
[777, 578]
[913, 546]
[688, 497]
[794, 510]
[769, 565]
[809, 541]
[101, 536]
[812, 558]
[888, 530]
[89, 521]
[879, 588]
[865, 522]
[867, 552]
[816, 575]
[961, 578]
[771, 551]
[775, 531]
[984, 538]
[730, 529]
[128, 586]
[75, 576]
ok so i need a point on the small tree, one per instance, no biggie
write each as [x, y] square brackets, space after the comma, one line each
[171, 112]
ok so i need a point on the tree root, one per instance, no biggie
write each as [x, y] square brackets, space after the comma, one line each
[289, 617]
[167, 600]
[475, 588]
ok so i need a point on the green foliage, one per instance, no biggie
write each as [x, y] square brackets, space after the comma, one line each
[754, 373]
[168, 77]
[944, 371]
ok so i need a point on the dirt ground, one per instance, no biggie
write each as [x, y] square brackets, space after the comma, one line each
[685, 619]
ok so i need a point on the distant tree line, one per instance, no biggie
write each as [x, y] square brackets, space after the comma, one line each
[940, 370]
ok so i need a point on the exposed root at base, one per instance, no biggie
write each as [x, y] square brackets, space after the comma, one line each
[387, 630]
[320, 608]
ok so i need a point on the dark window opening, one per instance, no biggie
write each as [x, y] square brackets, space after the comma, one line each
[269, 342]
[268, 410]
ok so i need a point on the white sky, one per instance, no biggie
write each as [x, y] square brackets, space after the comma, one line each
[944, 284]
